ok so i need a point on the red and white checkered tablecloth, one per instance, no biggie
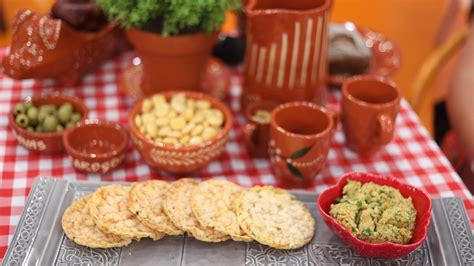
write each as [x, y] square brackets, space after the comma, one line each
[412, 156]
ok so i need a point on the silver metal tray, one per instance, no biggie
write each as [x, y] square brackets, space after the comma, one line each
[39, 239]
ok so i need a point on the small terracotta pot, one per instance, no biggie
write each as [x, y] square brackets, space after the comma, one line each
[96, 146]
[256, 134]
[172, 63]
[286, 54]
[300, 136]
[184, 159]
[47, 142]
[370, 105]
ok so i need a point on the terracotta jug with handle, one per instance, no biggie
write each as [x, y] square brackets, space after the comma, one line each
[286, 50]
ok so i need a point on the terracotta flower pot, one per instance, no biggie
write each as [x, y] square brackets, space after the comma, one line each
[172, 63]
[286, 50]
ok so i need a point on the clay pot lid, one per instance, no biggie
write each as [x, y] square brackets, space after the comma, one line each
[96, 139]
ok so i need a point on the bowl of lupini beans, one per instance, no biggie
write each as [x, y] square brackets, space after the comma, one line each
[180, 132]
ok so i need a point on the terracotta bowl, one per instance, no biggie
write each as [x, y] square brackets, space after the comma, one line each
[385, 250]
[47, 142]
[187, 158]
[96, 146]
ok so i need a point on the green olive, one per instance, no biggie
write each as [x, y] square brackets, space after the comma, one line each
[28, 104]
[41, 116]
[70, 124]
[76, 117]
[32, 114]
[39, 128]
[67, 106]
[30, 128]
[49, 109]
[22, 120]
[65, 113]
[50, 123]
[59, 128]
[19, 108]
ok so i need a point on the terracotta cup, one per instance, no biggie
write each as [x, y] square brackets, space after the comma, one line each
[172, 63]
[300, 137]
[46, 142]
[256, 133]
[370, 106]
[286, 54]
[96, 146]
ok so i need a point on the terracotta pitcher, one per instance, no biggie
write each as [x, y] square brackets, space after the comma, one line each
[286, 50]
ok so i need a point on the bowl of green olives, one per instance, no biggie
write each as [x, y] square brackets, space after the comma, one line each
[96, 146]
[40, 121]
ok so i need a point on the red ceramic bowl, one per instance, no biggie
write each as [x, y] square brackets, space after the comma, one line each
[187, 158]
[386, 250]
[48, 142]
[96, 146]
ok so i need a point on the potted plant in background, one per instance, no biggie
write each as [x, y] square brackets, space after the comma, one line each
[173, 38]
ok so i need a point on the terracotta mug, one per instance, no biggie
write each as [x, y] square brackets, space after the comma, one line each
[300, 136]
[257, 133]
[286, 58]
[370, 105]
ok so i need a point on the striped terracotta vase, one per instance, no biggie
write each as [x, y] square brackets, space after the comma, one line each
[286, 56]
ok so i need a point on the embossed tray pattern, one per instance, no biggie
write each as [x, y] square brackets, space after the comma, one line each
[39, 239]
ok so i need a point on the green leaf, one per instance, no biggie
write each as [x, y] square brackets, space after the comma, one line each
[169, 17]
[300, 153]
[294, 170]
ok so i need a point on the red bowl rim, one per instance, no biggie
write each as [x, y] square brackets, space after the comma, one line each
[376, 179]
[66, 97]
[216, 103]
[101, 123]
